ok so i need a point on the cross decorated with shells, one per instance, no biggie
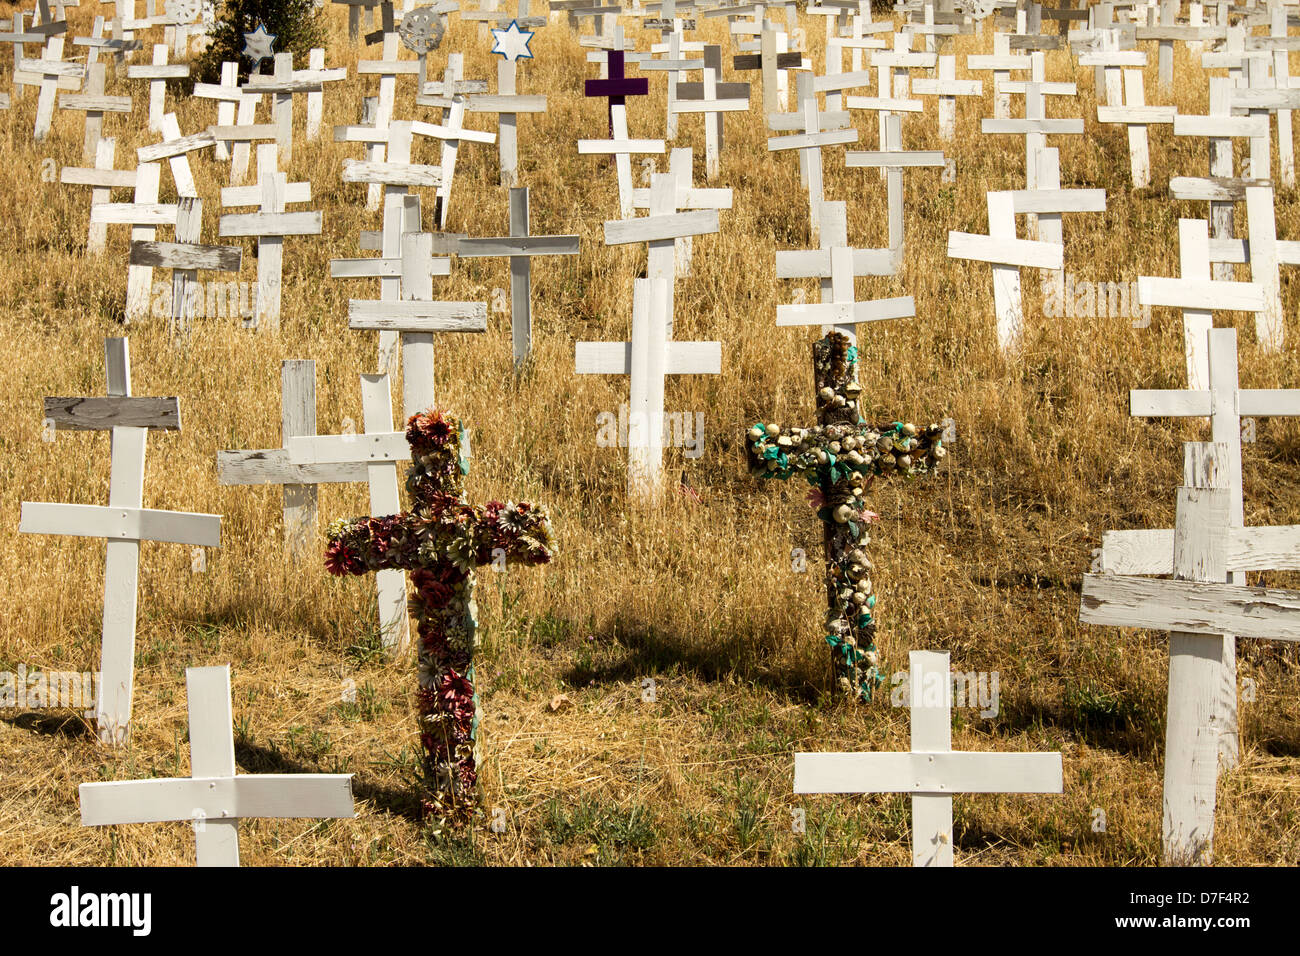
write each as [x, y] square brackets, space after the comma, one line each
[840, 457]
[441, 540]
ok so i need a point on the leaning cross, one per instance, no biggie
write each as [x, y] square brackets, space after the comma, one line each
[49, 69]
[125, 522]
[441, 540]
[839, 457]
[932, 771]
[214, 798]
[1199, 609]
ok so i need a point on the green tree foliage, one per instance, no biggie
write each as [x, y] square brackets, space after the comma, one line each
[298, 26]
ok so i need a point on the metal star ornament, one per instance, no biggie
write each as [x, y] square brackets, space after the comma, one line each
[512, 42]
[258, 45]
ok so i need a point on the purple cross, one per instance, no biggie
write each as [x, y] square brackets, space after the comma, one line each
[617, 87]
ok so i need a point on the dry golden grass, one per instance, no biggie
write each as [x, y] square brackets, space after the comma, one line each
[984, 561]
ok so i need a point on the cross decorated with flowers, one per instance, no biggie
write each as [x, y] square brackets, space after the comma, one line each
[840, 457]
[441, 540]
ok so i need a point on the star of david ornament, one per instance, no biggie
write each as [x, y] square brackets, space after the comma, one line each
[422, 29]
[512, 42]
[258, 45]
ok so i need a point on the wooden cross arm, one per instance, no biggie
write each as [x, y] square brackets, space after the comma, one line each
[125, 524]
[1057, 127]
[835, 137]
[185, 255]
[1190, 607]
[134, 214]
[269, 84]
[1178, 403]
[1220, 127]
[175, 147]
[270, 224]
[1200, 294]
[367, 448]
[845, 313]
[1268, 548]
[243, 134]
[1028, 253]
[391, 174]
[252, 195]
[1136, 115]
[518, 246]
[310, 796]
[105, 413]
[816, 263]
[936, 774]
[1212, 188]
[110, 178]
[158, 71]
[892, 159]
[754, 61]
[415, 316]
[441, 131]
[1058, 200]
[678, 225]
[272, 466]
[93, 103]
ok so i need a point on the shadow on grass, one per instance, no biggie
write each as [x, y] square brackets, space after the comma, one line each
[63, 724]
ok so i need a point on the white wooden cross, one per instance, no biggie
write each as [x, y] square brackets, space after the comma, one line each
[95, 104]
[185, 257]
[1266, 254]
[1002, 62]
[647, 359]
[1136, 116]
[520, 246]
[228, 95]
[932, 771]
[622, 148]
[144, 214]
[1266, 94]
[1007, 255]
[281, 85]
[1035, 127]
[269, 225]
[660, 231]
[893, 159]
[810, 143]
[125, 522]
[1199, 609]
[947, 87]
[1198, 296]
[158, 73]
[1225, 404]
[674, 64]
[379, 449]
[507, 103]
[1285, 141]
[1112, 61]
[49, 69]
[893, 69]
[176, 148]
[452, 133]
[271, 466]
[722, 91]
[214, 798]
[680, 167]
[101, 179]
[1047, 201]
[388, 69]
[712, 106]
[317, 72]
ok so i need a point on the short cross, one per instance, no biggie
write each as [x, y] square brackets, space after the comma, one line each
[441, 540]
[1136, 116]
[690, 90]
[932, 772]
[1199, 609]
[95, 104]
[125, 522]
[1112, 61]
[282, 84]
[271, 466]
[712, 106]
[1261, 98]
[680, 167]
[1002, 62]
[1008, 255]
[102, 179]
[839, 457]
[647, 360]
[1198, 295]
[947, 87]
[674, 65]
[270, 225]
[520, 246]
[451, 132]
[1035, 128]
[158, 73]
[893, 159]
[185, 257]
[229, 95]
[507, 104]
[616, 87]
[622, 148]
[214, 798]
[771, 63]
[144, 214]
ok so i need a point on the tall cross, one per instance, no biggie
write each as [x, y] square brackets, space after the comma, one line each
[840, 457]
[690, 90]
[269, 226]
[1001, 63]
[932, 771]
[125, 522]
[441, 540]
[1136, 116]
[1199, 609]
[893, 159]
[771, 64]
[144, 214]
[810, 143]
[520, 246]
[680, 167]
[282, 84]
[215, 797]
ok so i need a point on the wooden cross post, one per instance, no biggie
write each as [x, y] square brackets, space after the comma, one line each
[811, 142]
[1136, 116]
[95, 104]
[49, 69]
[1198, 296]
[932, 772]
[441, 540]
[270, 225]
[272, 466]
[158, 73]
[840, 457]
[893, 159]
[185, 257]
[102, 179]
[520, 246]
[125, 522]
[1198, 609]
[647, 359]
[214, 798]
[947, 87]
[282, 84]
[674, 65]
[1266, 255]
[1008, 255]
[144, 214]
